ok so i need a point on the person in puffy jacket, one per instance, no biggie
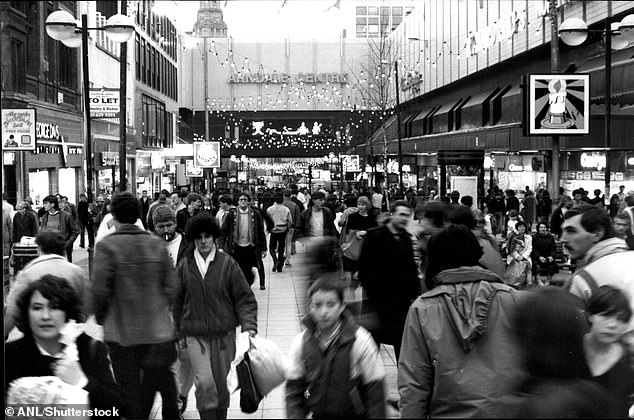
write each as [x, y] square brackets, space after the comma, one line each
[212, 299]
[458, 355]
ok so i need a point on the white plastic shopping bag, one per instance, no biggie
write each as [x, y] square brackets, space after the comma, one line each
[268, 364]
[242, 346]
[47, 390]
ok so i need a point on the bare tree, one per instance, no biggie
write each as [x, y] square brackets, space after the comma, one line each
[374, 84]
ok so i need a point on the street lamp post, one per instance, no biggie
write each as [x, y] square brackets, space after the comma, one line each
[573, 32]
[398, 131]
[62, 26]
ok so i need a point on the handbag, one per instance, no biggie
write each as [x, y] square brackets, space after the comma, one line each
[516, 272]
[250, 397]
[351, 246]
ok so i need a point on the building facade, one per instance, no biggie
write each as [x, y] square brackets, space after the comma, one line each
[462, 72]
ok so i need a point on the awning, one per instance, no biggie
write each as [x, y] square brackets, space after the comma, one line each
[622, 90]
[442, 121]
[512, 102]
[418, 123]
[472, 112]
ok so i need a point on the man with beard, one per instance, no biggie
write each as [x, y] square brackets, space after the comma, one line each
[388, 273]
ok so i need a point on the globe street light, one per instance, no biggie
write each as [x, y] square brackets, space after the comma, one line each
[617, 35]
[62, 26]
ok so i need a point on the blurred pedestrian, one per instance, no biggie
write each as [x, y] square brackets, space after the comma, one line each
[51, 246]
[388, 274]
[46, 310]
[458, 356]
[134, 287]
[601, 258]
[529, 210]
[144, 203]
[281, 222]
[293, 231]
[194, 206]
[85, 222]
[56, 219]
[543, 255]
[558, 215]
[213, 298]
[544, 207]
[335, 370]
[242, 236]
[549, 329]
[177, 246]
[622, 229]
[609, 360]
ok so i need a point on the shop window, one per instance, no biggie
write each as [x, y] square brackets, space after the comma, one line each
[397, 11]
[374, 11]
[373, 21]
[362, 10]
[361, 20]
[137, 59]
[67, 75]
[362, 29]
[385, 11]
[373, 29]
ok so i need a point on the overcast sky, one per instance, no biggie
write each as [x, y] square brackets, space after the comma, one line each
[267, 19]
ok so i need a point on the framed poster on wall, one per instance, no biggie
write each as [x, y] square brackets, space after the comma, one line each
[558, 104]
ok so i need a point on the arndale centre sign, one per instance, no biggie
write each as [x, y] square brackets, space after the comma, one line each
[289, 78]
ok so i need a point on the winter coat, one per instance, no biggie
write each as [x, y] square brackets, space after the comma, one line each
[134, 285]
[345, 381]
[458, 353]
[214, 305]
[329, 222]
[55, 265]
[24, 225]
[388, 273]
[103, 391]
[228, 228]
[530, 209]
[67, 226]
[608, 262]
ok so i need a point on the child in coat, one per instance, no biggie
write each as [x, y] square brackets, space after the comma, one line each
[335, 369]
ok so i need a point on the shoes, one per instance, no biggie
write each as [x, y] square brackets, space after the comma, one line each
[288, 264]
[182, 402]
[262, 288]
[279, 267]
[274, 268]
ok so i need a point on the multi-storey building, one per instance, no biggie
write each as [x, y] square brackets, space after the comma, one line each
[462, 67]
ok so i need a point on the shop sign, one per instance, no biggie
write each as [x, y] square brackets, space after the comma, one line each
[559, 104]
[503, 28]
[18, 129]
[104, 103]
[8, 158]
[515, 168]
[192, 171]
[289, 78]
[351, 163]
[207, 154]
[109, 159]
[593, 160]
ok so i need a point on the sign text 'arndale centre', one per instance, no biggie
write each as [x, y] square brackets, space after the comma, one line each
[289, 78]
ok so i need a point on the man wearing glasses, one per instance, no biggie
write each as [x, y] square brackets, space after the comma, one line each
[242, 236]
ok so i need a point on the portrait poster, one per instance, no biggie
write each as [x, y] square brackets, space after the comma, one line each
[559, 104]
[18, 129]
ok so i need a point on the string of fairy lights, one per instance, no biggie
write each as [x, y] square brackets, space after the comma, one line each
[350, 95]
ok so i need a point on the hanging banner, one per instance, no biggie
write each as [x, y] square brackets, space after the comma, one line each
[18, 129]
[559, 104]
[207, 154]
[104, 103]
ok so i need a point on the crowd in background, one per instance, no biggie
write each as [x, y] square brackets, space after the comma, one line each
[451, 287]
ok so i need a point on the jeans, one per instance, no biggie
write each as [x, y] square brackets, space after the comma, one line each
[277, 242]
[139, 384]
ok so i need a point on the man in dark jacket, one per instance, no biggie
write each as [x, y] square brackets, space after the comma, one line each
[56, 219]
[242, 236]
[318, 220]
[134, 288]
[194, 206]
[388, 273]
[144, 202]
[85, 222]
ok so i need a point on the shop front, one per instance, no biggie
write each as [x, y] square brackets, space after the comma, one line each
[586, 169]
[57, 164]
